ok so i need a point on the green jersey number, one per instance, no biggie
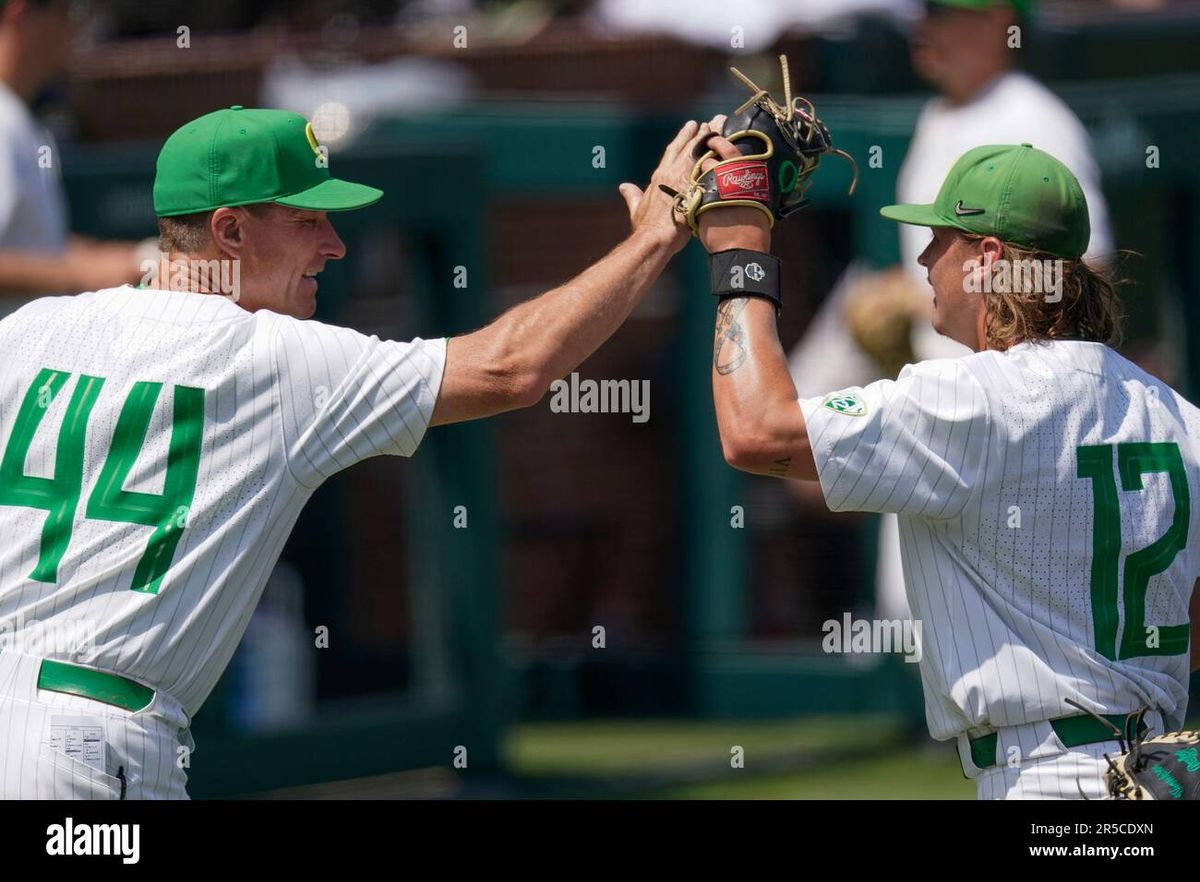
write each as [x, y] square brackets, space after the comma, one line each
[1134, 459]
[59, 496]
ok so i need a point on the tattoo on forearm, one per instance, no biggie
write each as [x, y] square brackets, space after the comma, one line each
[780, 468]
[729, 346]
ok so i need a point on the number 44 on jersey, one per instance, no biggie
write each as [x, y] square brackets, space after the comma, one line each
[60, 495]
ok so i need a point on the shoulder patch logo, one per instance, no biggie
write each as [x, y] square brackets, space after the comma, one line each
[845, 403]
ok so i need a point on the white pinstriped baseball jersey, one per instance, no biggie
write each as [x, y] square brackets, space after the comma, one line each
[156, 449]
[1047, 500]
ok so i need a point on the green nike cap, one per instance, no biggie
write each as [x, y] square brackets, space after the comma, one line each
[239, 156]
[1018, 194]
[1024, 7]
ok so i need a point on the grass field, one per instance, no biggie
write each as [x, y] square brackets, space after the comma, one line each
[851, 757]
[811, 758]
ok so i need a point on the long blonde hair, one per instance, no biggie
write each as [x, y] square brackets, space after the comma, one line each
[1089, 309]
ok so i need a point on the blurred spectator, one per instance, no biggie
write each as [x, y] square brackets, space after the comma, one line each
[343, 94]
[711, 22]
[37, 256]
[875, 322]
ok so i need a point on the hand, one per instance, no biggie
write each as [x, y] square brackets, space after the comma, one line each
[732, 226]
[651, 211]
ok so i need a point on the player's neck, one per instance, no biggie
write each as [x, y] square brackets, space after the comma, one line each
[193, 273]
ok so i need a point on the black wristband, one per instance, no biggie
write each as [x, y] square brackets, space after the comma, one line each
[740, 272]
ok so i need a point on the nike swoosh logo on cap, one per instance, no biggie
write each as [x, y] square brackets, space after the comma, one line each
[963, 212]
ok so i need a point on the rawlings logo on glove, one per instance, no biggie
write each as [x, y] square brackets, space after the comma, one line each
[743, 179]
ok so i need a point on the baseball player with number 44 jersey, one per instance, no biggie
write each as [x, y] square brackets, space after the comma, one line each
[157, 444]
[1048, 490]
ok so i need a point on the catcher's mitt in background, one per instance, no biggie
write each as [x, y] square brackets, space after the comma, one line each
[879, 310]
[781, 147]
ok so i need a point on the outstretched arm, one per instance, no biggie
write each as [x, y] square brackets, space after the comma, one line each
[758, 414]
[511, 362]
[86, 265]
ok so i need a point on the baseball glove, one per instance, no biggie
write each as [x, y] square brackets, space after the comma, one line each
[781, 147]
[1164, 767]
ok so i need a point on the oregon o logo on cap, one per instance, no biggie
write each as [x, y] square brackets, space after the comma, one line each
[312, 139]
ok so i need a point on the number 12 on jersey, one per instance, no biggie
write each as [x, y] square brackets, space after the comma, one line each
[59, 496]
[1134, 459]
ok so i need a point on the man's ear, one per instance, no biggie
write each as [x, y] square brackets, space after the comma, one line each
[990, 250]
[228, 229]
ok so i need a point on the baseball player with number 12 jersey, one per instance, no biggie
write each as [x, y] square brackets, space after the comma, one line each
[1047, 489]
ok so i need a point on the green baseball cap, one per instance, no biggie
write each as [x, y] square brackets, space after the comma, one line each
[1018, 194]
[1024, 7]
[239, 156]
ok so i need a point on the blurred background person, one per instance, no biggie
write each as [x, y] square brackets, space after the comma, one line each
[708, 22]
[875, 322]
[37, 253]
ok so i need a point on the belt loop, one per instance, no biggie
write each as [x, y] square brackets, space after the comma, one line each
[965, 758]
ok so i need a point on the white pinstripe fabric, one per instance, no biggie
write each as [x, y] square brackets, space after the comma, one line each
[143, 746]
[287, 404]
[1033, 763]
[955, 447]
[1076, 774]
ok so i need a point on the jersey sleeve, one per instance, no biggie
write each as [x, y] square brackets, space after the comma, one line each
[345, 396]
[914, 445]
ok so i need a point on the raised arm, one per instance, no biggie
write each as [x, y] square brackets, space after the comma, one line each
[758, 415]
[511, 362]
